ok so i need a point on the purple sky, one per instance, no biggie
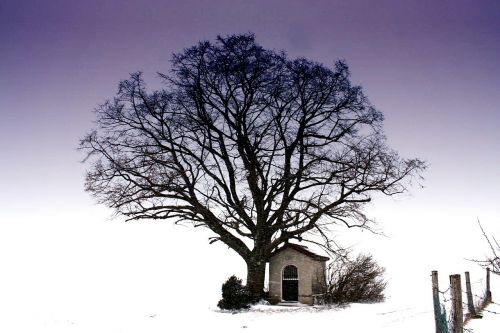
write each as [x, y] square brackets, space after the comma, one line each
[431, 66]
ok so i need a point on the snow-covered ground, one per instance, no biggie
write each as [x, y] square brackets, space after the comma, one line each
[382, 317]
[110, 276]
[489, 323]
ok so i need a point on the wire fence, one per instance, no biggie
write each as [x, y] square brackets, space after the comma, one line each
[440, 312]
[455, 306]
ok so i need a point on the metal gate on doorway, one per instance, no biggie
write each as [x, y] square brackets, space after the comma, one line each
[290, 284]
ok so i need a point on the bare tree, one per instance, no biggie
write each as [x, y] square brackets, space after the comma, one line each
[259, 148]
[493, 260]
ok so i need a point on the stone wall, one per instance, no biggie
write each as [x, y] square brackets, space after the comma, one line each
[311, 275]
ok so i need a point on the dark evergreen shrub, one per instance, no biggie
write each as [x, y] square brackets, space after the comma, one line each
[235, 295]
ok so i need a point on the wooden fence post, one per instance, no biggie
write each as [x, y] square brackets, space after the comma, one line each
[435, 299]
[457, 315]
[470, 299]
[488, 290]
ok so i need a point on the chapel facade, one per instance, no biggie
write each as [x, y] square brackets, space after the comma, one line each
[296, 275]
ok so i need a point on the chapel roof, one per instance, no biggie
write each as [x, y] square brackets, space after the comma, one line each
[301, 249]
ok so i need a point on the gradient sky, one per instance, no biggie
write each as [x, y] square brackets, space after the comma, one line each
[432, 68]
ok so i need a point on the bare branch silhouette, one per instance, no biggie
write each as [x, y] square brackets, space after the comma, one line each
[259, 148]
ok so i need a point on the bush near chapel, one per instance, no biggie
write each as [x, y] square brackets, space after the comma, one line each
[359, 280]
[235, 295]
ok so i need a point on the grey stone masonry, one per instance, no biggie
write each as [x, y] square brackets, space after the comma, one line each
[311, 273]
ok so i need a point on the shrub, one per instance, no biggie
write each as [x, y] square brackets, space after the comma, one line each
[358, 280]
[235, 295]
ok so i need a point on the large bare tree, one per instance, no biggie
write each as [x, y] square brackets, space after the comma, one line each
[257, 147]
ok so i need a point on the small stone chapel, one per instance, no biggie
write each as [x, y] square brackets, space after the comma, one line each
[296, 275]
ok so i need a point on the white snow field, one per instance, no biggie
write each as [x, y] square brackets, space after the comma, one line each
[490, 321]
[81, 275]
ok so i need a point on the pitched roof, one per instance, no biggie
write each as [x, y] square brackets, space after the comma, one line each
[301, 249]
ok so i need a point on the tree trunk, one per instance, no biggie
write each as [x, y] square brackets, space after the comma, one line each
[256, 272]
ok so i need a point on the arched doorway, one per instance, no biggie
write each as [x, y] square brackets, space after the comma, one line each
[290, 284]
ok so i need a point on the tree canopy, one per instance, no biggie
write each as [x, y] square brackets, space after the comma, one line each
[257, 147]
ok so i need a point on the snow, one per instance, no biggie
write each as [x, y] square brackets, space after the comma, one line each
[383, 317]
[355, 318]
[110, 276]
[490, 321]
